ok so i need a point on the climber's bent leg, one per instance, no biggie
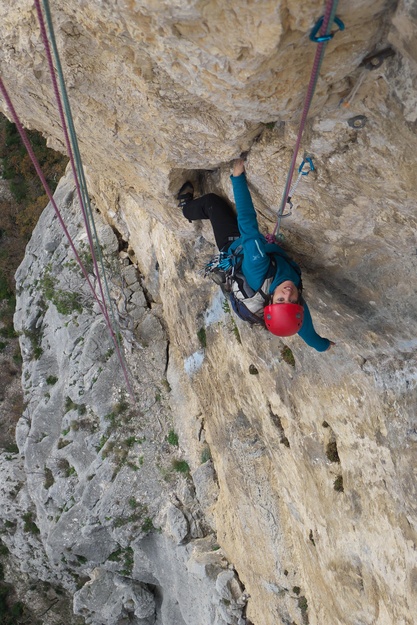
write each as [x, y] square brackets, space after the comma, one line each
[222, 217]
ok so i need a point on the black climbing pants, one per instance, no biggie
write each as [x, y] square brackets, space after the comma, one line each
[223, 219]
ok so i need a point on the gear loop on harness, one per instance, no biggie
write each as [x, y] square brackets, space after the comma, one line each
[322, 38]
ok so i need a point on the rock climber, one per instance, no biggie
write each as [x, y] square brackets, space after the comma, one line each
[285, 311]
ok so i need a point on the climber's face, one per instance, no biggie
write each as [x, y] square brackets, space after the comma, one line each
[285, 293]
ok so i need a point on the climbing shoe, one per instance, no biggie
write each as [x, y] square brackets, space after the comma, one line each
[185, 194]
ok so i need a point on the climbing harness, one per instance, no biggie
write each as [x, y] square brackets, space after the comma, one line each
[225, 270]
[323, 25]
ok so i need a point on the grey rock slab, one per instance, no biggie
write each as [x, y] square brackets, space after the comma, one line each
[108, 598]
[176, 524]
[130, 274]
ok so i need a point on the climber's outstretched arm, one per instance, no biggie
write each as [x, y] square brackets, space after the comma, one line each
[246, 214]
[255, 259]
[310, 336]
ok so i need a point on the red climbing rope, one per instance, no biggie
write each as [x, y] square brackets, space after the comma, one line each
[69, 149]
[48, 191]
[42, 178]
[103, 306]
[322, 41]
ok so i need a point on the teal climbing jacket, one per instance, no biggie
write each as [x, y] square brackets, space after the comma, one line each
[257, 255]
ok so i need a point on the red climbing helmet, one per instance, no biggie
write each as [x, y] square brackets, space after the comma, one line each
[284, 319]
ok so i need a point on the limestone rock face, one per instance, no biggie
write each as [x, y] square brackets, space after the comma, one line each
[309, 485]
[99, 508]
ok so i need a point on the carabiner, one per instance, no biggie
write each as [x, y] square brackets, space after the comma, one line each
[322, 38]
[291, 205]
[309, 161]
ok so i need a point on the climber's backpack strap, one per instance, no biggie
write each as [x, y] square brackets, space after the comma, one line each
[242, 311]
[247, 303]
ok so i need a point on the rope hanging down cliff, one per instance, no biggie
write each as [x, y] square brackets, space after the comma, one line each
[79, 177]
[48, 192]
[81, 187]
[323, 26]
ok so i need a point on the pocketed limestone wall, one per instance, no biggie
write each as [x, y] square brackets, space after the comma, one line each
[309, 491]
